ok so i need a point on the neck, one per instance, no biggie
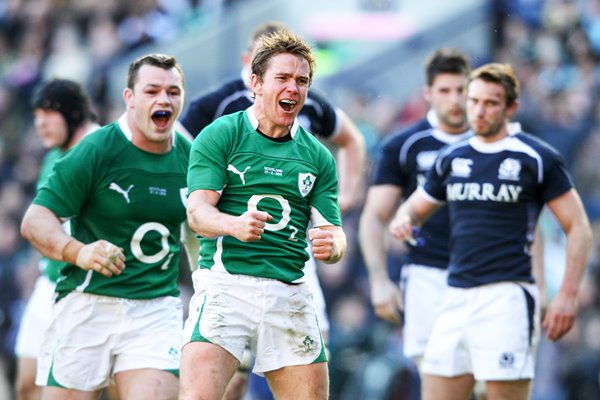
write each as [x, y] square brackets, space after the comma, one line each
[268, 127]
[494, 137]
[273, 131]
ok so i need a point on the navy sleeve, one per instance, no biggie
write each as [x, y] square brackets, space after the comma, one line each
[198, 114]
[318, 115]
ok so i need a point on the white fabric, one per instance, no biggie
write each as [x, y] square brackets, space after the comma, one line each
[93, 337]
[36, 319]
[484, 331]
[276, 318]
[423, 288]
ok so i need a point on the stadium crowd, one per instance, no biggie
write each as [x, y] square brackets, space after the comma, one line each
[554, 46]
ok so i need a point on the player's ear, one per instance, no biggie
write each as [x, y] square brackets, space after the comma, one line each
[127, 96]
[512, 109]
[427, 93]
[255, 84]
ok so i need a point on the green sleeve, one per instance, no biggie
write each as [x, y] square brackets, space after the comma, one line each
[208, 159]
[71, 182]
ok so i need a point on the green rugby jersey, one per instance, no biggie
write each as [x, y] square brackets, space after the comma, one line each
[132, 198]
[48, 266]
[294, 181]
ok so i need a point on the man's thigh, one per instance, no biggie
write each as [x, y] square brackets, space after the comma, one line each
[508, 390]
[447, 388]
[205, 370]
[147, 383]
[309, 382]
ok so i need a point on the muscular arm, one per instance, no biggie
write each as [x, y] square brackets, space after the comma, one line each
[205, 218]
[350, 159]
[571, 215]
[379, 208]
[43, 229]
[537, 261]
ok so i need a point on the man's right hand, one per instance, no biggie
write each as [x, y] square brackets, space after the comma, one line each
[101, 256]
[387, 300]
[250, 226]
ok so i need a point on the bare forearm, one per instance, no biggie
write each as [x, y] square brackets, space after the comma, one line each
[208, 221]
[579, 243]
[372, 234]
[44, 231]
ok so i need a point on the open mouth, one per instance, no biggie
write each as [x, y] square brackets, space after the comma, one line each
[287, 105]
[161, 118]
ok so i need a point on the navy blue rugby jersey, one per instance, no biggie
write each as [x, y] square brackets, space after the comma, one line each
[494, 193]
[318, 116]
[404, 160]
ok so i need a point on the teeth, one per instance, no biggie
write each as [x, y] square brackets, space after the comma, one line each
[288, 101]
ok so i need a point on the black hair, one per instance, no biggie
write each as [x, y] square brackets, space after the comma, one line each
[68, 98]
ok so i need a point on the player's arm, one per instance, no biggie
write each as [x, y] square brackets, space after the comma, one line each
[205, 218]
[43, 229]
[537, 262]
[412, 214]
[191, 244]
[571, 215]
[381, 203]
[350, 159]
[328, 243]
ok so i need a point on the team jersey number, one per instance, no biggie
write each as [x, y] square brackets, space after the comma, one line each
[285, 213]
[136, 244]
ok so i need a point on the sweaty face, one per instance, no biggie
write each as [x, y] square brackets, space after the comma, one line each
[447, 96]
[154, 104]
[281, 94]
[51, 126]
[486, 109]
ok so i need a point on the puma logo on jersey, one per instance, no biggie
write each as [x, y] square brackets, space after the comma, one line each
[237, 172]
[118, 189]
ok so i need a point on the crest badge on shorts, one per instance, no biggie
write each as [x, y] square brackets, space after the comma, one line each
[305, 183]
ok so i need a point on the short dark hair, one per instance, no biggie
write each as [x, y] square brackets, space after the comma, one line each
[503, 74]
[156, 60]
[282, 41]
[446, 61]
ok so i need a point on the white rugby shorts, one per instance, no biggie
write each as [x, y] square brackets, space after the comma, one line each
[277, 319]
[490, 331]
[36, 319]
[92, 338]
[423, 288]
